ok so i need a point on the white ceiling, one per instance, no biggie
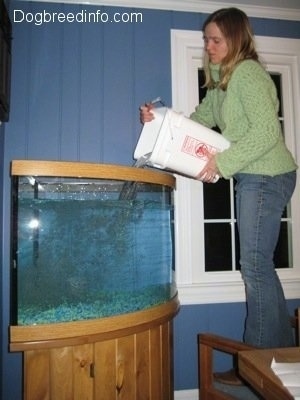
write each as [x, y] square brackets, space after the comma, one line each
[278, 9]
[268, 3]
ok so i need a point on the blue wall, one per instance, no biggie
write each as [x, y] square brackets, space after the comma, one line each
[76, 89]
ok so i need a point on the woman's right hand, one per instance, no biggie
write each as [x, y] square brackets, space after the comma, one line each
[145, 113]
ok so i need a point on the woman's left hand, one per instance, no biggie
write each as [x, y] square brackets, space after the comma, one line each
[210, 172]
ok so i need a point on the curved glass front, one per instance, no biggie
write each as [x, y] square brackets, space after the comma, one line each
[89, 248]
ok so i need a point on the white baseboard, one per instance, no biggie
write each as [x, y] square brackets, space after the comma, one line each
[186, 394]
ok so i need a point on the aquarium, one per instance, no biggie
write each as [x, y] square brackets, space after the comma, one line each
[88, 247]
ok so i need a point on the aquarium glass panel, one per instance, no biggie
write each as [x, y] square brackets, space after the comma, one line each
[84, 249]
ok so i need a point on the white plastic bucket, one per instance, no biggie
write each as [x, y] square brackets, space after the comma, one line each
[174, 142]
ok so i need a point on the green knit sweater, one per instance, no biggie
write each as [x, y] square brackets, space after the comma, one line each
[247, 115]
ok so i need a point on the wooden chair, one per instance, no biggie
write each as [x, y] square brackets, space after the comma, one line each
[207, 344]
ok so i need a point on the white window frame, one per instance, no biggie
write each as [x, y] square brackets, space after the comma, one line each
[195, 286]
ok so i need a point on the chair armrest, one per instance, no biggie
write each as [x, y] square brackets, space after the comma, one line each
[221, 343]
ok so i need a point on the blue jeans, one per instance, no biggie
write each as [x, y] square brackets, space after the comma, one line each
[260, 201]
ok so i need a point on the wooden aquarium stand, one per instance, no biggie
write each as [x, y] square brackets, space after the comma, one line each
[126, 357]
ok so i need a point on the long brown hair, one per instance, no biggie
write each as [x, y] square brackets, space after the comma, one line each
[235, 27]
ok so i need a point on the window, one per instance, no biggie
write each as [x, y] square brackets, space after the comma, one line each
[207, 259]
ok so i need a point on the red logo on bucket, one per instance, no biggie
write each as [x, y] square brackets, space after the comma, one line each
[196, 148]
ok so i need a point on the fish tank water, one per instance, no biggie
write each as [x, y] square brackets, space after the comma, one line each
[86, 248]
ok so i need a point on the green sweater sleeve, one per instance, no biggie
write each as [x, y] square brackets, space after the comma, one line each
[204, 111]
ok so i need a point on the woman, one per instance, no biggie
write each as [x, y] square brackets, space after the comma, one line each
[241, 100]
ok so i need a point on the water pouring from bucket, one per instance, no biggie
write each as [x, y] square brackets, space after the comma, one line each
[129, 188]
